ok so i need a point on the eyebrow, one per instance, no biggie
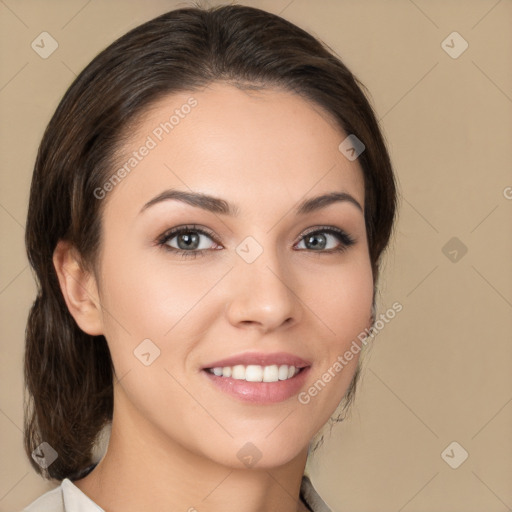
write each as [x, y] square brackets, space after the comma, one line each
[217, 205]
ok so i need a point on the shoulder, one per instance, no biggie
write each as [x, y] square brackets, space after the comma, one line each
[65, 498]
[52, 501]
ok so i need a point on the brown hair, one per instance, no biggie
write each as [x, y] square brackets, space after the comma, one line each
[68, 373]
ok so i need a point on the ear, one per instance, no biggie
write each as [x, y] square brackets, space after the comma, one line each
[79, 289]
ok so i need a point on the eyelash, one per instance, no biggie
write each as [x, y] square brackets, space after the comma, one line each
[345, 239]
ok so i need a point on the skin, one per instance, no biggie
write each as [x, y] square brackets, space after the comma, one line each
[175, 437]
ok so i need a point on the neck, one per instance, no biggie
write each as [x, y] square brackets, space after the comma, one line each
[143, 469]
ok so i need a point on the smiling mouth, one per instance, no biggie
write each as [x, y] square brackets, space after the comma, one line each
[256, 373]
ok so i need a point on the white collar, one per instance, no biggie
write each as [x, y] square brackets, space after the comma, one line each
[75, 500]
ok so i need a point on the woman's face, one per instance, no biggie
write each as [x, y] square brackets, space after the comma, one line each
[251, 280]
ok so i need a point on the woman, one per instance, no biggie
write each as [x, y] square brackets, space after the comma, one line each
[231, 134]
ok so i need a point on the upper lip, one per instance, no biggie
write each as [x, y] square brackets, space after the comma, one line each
[261, 359]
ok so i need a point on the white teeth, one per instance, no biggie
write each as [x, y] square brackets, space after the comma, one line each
[238, 372]
[270, 373]
[256, 373]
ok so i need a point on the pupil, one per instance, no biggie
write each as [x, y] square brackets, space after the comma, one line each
[190, 239]
[321, 244]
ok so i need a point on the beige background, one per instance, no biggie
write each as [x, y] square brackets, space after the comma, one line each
[440, 371]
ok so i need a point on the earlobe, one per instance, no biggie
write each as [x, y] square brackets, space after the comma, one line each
[78, 288]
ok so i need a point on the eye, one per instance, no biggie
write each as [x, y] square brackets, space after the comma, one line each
[188, 240]
[318, 239]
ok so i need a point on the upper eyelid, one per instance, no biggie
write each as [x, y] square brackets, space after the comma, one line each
[173, 232]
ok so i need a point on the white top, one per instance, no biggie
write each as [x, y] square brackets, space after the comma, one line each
[69, 498]
[65, 498]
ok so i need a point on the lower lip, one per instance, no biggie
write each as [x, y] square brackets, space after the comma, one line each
[260, 392]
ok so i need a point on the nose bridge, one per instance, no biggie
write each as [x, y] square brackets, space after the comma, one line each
[262, 287]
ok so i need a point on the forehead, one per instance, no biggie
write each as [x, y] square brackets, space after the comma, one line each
[269, 145]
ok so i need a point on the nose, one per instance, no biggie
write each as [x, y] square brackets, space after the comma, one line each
[262, 295]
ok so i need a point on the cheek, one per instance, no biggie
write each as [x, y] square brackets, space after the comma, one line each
[150, 296]
[152, 299]
[177, 306]
[342, 300]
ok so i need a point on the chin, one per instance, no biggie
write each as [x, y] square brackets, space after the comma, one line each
[259, 452]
